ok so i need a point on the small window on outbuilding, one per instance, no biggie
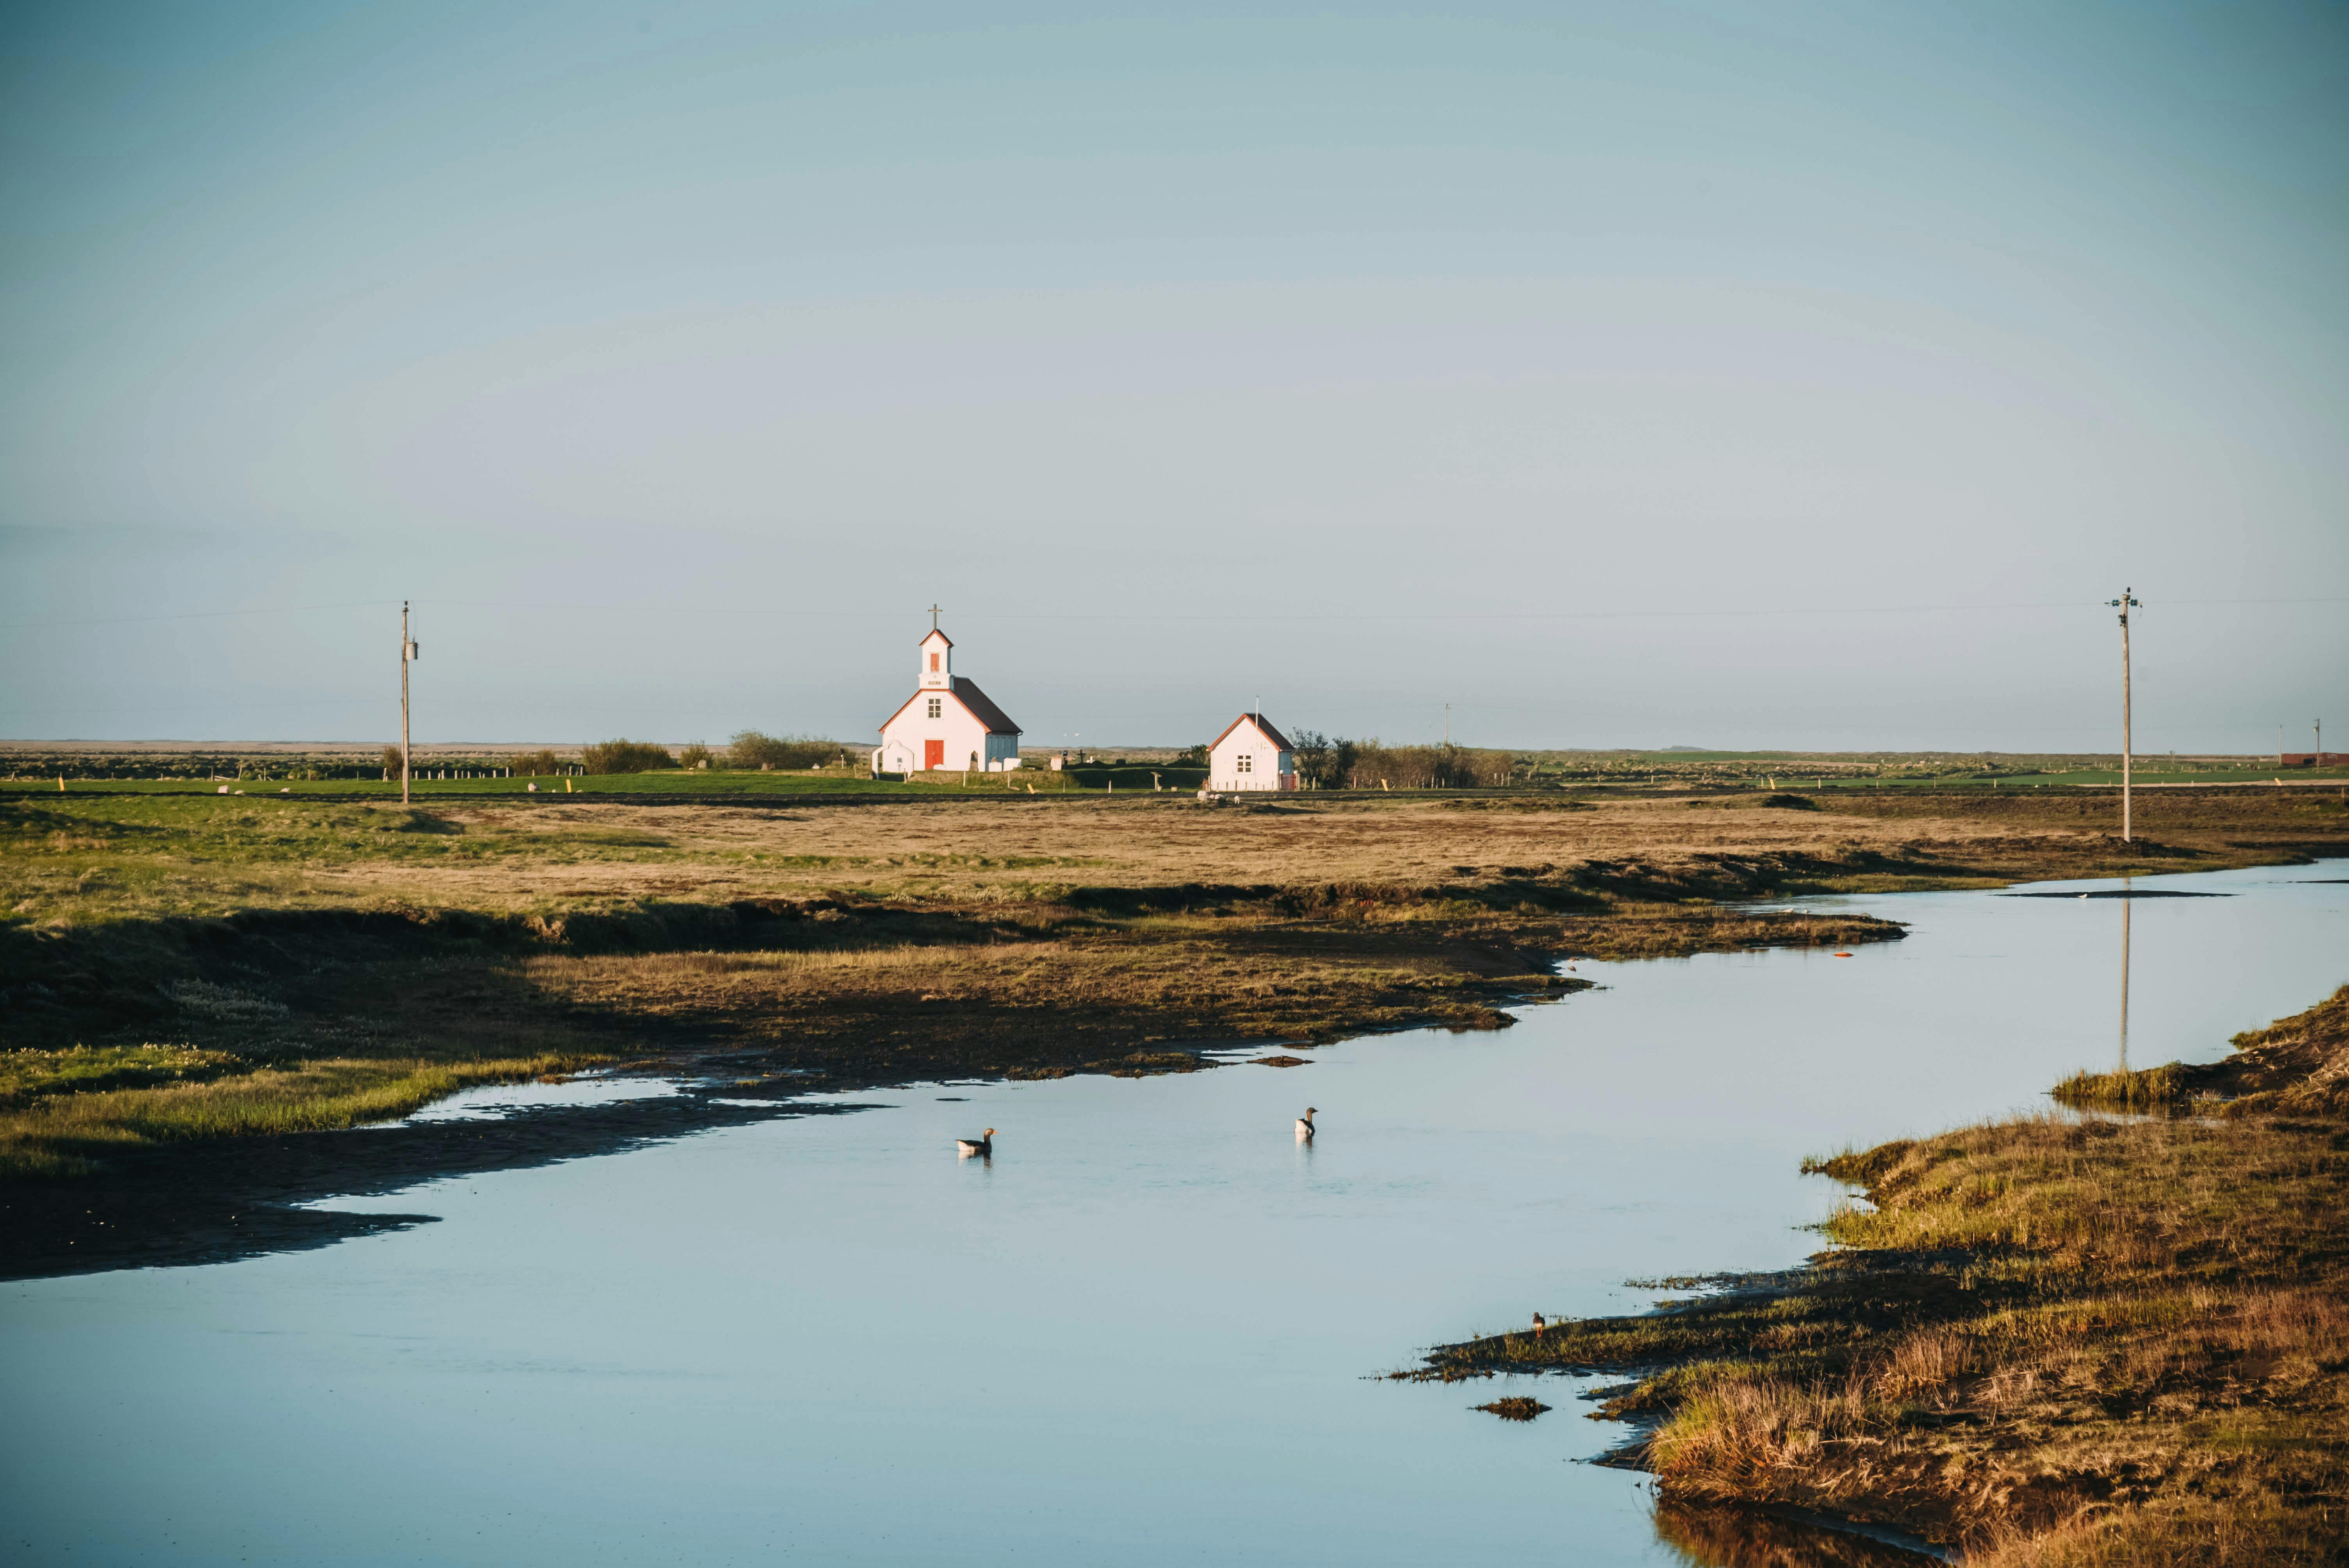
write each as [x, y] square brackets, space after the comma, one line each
[1246, 764]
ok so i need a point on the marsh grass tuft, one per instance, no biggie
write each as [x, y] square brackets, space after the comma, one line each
[224, 1003]
[2145, 1089]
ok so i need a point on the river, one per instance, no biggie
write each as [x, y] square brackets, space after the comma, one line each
[1146, 1331]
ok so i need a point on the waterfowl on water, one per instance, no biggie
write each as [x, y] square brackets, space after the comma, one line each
[980, 1146]
[1305, 1123]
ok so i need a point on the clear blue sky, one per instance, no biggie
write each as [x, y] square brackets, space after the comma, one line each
[1621, 374]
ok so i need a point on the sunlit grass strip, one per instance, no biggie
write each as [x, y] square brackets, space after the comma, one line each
[28, 1075]
[63, 1135]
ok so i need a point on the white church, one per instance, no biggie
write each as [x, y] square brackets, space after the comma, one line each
[949, 723]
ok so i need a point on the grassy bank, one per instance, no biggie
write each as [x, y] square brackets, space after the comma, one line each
[2051, 1340]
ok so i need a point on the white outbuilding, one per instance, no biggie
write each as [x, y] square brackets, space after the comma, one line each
[1251, 754]
[949, 723]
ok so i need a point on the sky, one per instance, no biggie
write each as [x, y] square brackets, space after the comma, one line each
[1803, 374]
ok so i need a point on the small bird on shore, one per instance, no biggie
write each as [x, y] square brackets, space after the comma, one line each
[982, 1147]
[1541, 1324]
[1305, 1123]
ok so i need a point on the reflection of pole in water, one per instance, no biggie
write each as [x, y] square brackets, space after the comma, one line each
[2125, 957]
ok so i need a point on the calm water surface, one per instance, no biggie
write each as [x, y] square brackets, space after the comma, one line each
[1139, 1336]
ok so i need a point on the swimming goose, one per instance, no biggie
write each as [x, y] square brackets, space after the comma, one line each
[983, 1147]
[1305, 1123]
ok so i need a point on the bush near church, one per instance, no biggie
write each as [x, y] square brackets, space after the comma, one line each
[750, 749]
[625, 757]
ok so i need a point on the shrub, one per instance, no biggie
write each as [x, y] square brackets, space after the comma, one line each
[534, 764]
[391, 760]
[1419, 767]
[695, 756]
[753, 749]
[1321, 763]
[625, 757]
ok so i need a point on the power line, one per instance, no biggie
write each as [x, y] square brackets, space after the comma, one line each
[195, 616]
[509, 607]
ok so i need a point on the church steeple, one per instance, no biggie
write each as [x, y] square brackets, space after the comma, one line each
[937, 660]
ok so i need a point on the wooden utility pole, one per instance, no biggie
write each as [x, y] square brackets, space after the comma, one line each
[2125, 603]
[407, 656]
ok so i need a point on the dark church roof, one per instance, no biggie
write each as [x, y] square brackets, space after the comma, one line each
[983, 709]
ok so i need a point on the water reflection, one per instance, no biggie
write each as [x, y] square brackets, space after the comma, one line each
[1748, 1538]
[2125, 963]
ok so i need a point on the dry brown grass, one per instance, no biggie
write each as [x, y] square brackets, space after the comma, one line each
[83, 859]
[2147, 1317]
[1097, 992]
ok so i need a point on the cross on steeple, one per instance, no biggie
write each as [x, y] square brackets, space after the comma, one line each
[933, 617]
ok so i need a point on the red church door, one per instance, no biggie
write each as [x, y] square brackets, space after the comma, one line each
[934, 754]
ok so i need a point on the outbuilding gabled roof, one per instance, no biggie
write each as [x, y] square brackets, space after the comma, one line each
[1263, 727]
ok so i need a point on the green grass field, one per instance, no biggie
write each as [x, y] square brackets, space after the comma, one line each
[677, 783]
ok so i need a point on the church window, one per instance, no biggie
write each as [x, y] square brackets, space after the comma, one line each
[936, 706]
[1246, 764]
[934, 669]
